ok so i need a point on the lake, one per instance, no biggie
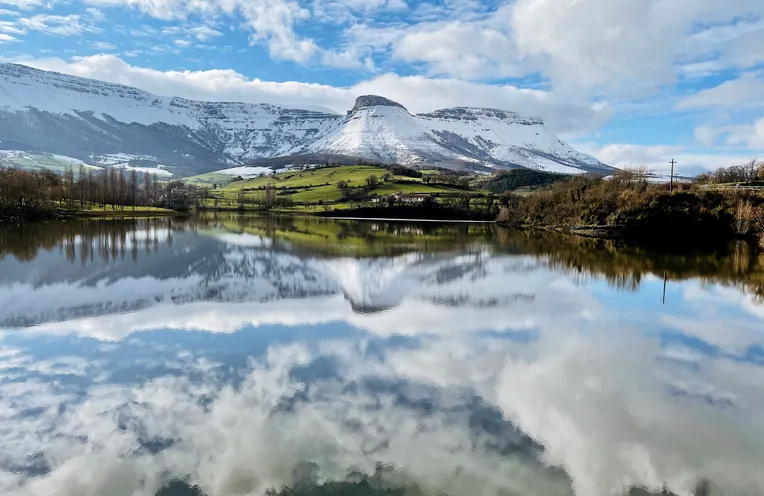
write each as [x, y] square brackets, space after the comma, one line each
[229, 355]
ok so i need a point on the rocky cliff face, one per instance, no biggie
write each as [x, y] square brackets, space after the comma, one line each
[82, 118]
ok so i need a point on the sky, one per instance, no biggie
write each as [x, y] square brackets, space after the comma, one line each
[634, 82]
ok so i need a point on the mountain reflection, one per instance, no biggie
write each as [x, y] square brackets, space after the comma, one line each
[233, 355]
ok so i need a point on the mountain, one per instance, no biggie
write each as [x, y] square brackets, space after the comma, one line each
[102, 123]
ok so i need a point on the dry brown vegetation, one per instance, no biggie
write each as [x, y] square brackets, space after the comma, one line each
[629, 203]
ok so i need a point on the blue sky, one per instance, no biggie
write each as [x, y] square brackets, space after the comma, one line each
[631, 81]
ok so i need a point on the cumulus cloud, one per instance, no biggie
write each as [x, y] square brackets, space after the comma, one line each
[748, 89]
[737, 135]
[272, 21]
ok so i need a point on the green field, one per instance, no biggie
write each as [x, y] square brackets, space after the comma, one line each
[210, 178]
[320, 186]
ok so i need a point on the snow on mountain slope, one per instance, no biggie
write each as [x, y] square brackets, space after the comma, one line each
[55, 113]
[380, 129]
[508, 138]
[82, 118]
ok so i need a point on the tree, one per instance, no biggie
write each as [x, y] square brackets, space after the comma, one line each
[122, 187]
[113, 188]
[155, 188]
[69, 186]
[82, 185]
[91, 187]
[372, 180]
[147, 188]
[387, 176]
[133, 185]
[342, 185]
[269, 198]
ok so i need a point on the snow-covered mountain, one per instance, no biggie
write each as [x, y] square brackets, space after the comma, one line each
[82, 118]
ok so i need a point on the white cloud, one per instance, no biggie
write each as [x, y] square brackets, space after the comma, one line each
[465, 50]
[26, 4]
[748, 135]
[748, 89]
[6, 38]
[68, 25]
[11, 28]
[181, 43]
[204, 33]
[657, 157]
[614, 44]
[8, 13]
[418, 93]
[271, 21]
[104, 45]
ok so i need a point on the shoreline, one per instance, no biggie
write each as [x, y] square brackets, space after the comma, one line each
[65, 215]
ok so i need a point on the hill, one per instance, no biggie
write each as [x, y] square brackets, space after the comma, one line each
[337, 187]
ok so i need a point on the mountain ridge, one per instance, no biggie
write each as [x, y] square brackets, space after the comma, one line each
[85, 118]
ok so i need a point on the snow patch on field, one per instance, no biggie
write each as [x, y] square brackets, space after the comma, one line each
[145, 170]
[246, 172]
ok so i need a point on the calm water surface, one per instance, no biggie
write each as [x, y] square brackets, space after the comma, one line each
[233, 355]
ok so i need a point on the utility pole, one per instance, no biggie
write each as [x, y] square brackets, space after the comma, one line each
[671, 182]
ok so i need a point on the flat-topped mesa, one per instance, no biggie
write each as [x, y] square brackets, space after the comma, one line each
[475, 113]
[366, 101]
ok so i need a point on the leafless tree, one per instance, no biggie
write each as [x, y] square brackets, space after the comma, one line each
[133, 184]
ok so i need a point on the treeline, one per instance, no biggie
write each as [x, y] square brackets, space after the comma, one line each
[750, 172]
[32, 193]
[628, 204]
[86, 241]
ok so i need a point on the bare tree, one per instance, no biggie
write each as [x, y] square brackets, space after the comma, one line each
[69, 186]
[133, 185]
[113, 188]
[122, 188]
[82, 185]
[147, 187]
[91, 194]
[154, 188]
[269, 198]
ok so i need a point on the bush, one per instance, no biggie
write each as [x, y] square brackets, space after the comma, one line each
[521, 178]
[636, 207]
[400, 170]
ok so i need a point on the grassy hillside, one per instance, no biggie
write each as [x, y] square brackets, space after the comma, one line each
[210, 178]
[330, 187]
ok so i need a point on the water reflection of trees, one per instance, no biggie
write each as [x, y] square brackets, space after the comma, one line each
[625, 265]
[86, 240]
